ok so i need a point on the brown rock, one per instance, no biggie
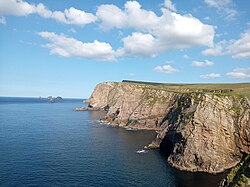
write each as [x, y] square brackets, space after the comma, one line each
[86, 109]
[196, 131]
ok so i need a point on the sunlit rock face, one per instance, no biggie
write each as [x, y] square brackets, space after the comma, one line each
[196, 131]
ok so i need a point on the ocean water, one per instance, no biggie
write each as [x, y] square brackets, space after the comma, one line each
[49, 144]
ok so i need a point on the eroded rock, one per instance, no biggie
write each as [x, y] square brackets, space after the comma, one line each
[196, 131]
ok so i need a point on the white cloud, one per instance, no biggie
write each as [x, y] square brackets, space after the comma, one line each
[151, 35]
[169, 5]
[224, 7]
[132, 16]
[240, 48]
[236, 48]
[69, 16]
[185, 56]
[138, 44]
[240, 73]
[202, 63]
[166, 32]
[2, 20]
[77, 17]
[16, 8]
[42, 10]
[176, 31]
[111, 16]
[210, 75]
[214, 51]
[165, 69]
[65, 46]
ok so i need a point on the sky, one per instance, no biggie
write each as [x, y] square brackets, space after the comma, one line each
[64, 48]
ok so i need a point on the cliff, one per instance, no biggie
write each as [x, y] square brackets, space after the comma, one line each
[239, 176]
[197, 131]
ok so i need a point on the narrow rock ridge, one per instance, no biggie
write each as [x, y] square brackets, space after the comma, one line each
[196, 131]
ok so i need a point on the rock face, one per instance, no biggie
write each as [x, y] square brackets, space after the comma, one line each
[196, 131]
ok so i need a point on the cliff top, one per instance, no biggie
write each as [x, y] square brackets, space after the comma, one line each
[241, 89]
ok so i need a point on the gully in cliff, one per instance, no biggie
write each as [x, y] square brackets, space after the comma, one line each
[198, 129]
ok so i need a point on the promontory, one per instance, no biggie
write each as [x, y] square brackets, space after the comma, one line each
[200, 127]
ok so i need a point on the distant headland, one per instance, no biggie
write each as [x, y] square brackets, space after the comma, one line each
[52, 99]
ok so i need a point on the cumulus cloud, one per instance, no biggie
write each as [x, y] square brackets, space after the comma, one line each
[224, 7]
[16, 8]
[165, 69]
[151, 33]
[240, 73]
[202, 63]
[210, 75]
[236, 48]
[69, 16]
[138, 44]
[74, 16]
[240, 48]
[214, 51]
[169, 5]
[166, 32]
[132, 16]
[111, 16]
[66, 47]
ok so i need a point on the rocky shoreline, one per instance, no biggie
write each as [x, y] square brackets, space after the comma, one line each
[197, 131]
[86, 109]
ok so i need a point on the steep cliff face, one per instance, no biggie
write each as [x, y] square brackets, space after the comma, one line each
[196, 131]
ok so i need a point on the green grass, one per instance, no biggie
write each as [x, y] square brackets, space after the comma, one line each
[240, 89]
[239, 175]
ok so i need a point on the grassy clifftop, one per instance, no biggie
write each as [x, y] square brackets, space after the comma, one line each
[241, 89]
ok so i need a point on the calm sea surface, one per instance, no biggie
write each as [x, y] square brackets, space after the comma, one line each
[49, 144]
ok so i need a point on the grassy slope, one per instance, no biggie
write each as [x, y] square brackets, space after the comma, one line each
[239, 176]
[242, 89]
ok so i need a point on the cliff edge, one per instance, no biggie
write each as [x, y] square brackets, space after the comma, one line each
[198, 130]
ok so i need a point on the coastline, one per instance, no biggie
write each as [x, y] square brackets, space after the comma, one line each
[185, 123]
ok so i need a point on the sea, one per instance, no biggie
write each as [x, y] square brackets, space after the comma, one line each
[50, 144]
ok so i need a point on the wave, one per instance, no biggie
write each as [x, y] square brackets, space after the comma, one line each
[141, 151]
[130, 129]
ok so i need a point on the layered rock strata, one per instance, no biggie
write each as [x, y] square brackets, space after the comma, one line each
[196, 131]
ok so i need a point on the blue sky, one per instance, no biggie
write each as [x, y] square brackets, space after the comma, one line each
[65, 48]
